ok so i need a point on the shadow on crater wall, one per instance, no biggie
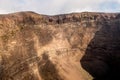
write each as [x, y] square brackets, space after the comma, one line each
[47, 69]
[102, 56]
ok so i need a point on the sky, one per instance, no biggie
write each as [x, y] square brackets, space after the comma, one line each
[52, 7]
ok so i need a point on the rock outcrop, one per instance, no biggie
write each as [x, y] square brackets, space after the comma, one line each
[76, 46]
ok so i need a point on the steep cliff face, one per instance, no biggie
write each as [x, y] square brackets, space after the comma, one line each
[102, 56]
[41, 47]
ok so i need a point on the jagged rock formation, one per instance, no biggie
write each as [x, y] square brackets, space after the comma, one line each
[41, 47]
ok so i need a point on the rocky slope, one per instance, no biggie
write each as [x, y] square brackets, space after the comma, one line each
[76, 46]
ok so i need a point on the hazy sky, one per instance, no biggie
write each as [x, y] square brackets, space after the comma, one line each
[52, 7]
